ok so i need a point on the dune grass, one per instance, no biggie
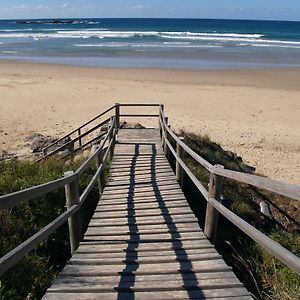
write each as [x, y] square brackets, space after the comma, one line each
[33, 274]
[260, 271]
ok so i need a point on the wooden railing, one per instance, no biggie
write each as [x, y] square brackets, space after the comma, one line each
[105, 151]
[70, 180]
[80, 138]
[74, 140]
[212, 196]
[73, 199]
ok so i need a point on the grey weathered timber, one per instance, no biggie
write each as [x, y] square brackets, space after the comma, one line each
[99, 162]
[144, 241]
[212, 215]
[179, 171]
[143, 229]
[75, 224]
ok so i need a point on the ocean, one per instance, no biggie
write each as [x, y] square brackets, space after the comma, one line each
[154, 43]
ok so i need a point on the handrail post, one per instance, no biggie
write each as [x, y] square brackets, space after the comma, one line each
[165, 146]
[160, 117]
[79, 136]
[99, 161]
[179, 171]
[117, 113]
[75, 224]
[112, 137]
[212, 215]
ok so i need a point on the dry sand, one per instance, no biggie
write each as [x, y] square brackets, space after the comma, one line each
[255, 113]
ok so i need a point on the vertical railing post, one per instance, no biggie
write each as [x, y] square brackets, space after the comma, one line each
[212, 215]
[99, 162]
[117, 113]
[179, 171]
[71, 150]
[161, 109]
[79, 134]
[112, 137]
[75, 225]
[165, 146]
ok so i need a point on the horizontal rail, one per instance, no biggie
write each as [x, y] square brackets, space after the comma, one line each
[194, 179]
[139, 104]
[80, 127]
[204, 163]
[276, 186]
[91, 184]
[139, 116]
[19, 252]
[74, 140]
[33, 192]
[289, 190]
[86, 164]
[285, 256]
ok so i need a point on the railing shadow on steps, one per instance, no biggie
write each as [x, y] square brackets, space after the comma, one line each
[213, 195]
[105, 151]
[74, 201]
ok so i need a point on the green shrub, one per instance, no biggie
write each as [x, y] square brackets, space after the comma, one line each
[260, 271]
[30, 277]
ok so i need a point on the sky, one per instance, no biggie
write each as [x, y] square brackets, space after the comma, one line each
[223, 9]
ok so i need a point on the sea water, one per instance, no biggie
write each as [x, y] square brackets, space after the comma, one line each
[156, 43]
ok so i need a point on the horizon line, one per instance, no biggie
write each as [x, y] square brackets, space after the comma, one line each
[166, 18]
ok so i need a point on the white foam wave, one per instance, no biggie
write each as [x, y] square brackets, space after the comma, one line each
[213, 34]
[168, 36]
[275, 46]
[132, 45]
[16, 30]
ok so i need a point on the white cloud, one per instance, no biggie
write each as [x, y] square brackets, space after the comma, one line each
[88, 6]
[65, 5]
[140, 7]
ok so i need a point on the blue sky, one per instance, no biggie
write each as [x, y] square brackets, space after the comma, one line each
[228, 9]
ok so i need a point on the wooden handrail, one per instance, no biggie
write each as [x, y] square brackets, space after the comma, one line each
[283, 188]
[290, 190]
[64, 146]
[80, 127]
[15, 198]
[6, 201]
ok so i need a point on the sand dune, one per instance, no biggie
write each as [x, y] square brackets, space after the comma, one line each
[254, 113]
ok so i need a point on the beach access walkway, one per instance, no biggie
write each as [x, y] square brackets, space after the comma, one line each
[143, 240]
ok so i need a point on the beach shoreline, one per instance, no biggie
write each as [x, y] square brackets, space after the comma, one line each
[253, 112]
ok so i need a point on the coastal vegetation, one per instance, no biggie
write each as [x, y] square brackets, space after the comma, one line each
[30, 278]
[260, 272]
[263, 274]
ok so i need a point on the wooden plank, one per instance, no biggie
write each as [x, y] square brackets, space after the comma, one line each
[236, 293]
[115, 279]
[85, 247]
[141, 227]
[173, 230]
[166, 268]
[144, 260]
[152, 254]
[144, 187]
[135, 237]
[149, 212]
[217, 283]
[145, 220]
[140, 200]
[144, 241]
[140, 206]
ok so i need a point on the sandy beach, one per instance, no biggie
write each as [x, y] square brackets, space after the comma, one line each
[254, 113]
